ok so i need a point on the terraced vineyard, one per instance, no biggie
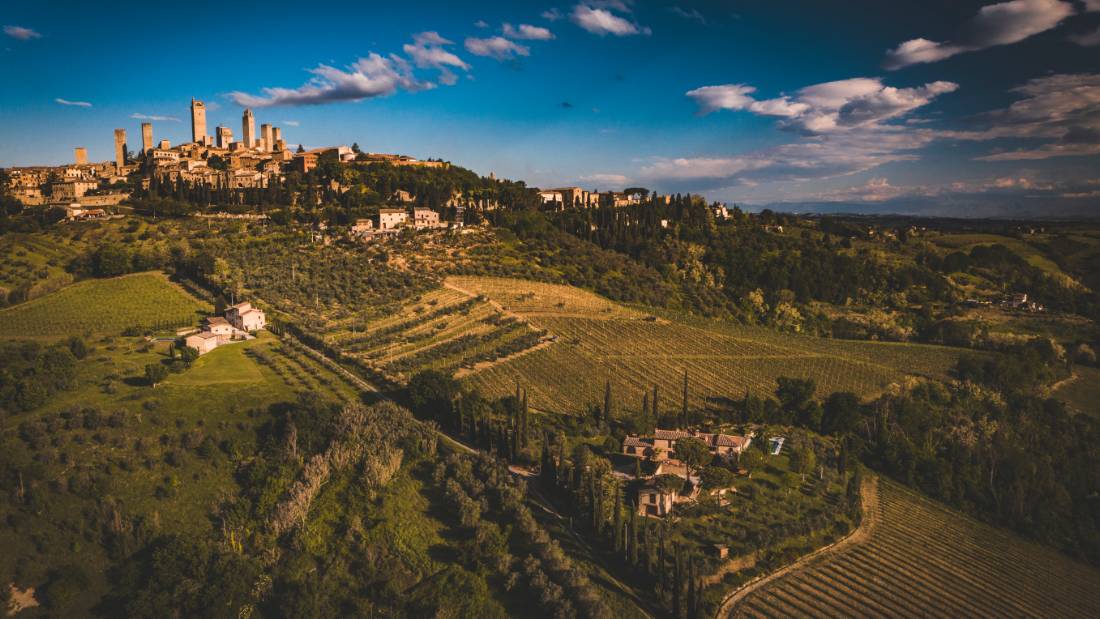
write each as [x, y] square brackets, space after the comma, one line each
[104, 306]
[598, 340]
[445, 330]
[925, 560]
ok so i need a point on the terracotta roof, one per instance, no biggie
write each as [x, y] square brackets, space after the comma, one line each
[216, 320]
[671, 434]
[729, 440]
[635, 441]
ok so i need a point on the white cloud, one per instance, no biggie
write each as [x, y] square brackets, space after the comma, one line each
[140, 116]
[481, 23]
[1062, 111]
[291, 123]
[996, 24]
[551, 14]
[813, 158]
[373, 76]
[527, 32]
[723, 97]
[689, 14]
[602, 21]
[1087, 39]
[427, 51]
[21, 33]
[827, 107]
[73, 103]
[617, 180]
[496, 47]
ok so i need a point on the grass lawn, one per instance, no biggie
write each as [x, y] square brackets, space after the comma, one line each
[226, 364]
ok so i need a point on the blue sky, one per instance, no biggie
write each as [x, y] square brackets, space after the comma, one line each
[747, 101]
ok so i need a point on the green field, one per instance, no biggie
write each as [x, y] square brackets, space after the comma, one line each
[925, 560]
[104, 306]
[599, 341]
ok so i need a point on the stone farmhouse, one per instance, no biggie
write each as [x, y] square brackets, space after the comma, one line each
[245, 317]
[663, 442]
[655, 500]
[237, 324]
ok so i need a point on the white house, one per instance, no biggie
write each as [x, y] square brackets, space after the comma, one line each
[245, 317]
[204, 341]
[425, 218]
[218, 326]
[392, 218]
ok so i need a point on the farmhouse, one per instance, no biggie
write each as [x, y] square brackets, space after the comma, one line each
[362, 227]
[392, 218]
[245, 317]
[425, 218]
[663, 442]
[218, 326]
[204, 341]
[654, 500]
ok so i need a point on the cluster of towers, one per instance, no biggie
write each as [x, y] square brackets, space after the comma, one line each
[270, 138]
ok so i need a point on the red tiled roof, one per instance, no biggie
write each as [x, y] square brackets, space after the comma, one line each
[670, 434]
[729, 440]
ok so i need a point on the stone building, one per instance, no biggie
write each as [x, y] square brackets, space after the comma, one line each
[120, 147]
[248, 128]
[146, 137]
[198, 122]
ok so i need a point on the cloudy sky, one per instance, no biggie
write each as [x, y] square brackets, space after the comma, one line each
[946, 106]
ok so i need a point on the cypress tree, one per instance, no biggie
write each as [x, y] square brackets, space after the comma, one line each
[618, 516]
[632, 539]
[607, 403]
[693, 590]
[677, 583]
[656, 408]
[684, 411]
[645, 406]
[523, 418]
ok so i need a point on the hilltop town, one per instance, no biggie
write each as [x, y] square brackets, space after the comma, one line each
[258, 160]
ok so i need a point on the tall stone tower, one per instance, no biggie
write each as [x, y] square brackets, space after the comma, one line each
[120, 147]
[198, 121]
[146, 137]
[81, 155]
[265, 133]
[248, 129]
